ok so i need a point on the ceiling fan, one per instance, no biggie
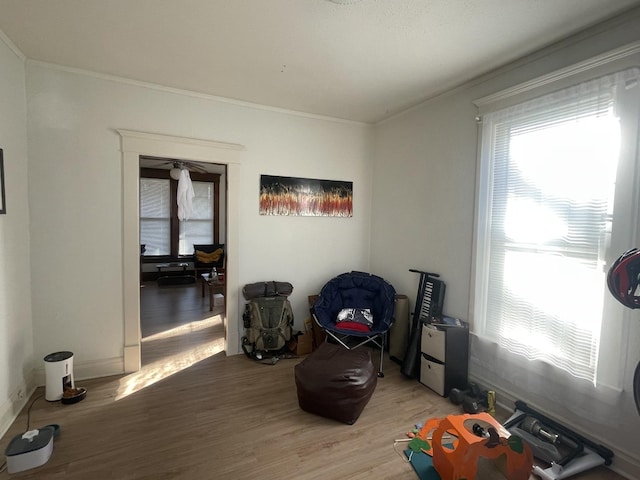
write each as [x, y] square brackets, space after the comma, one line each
[180, 165]
[177, 166]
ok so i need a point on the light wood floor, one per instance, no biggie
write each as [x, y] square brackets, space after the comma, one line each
[202, 415]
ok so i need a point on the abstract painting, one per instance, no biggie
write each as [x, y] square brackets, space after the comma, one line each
[305, 197]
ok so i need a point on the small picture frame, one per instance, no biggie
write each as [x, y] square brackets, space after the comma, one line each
[3, 205]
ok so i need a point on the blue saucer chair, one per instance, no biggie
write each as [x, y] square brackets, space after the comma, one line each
[356, 309]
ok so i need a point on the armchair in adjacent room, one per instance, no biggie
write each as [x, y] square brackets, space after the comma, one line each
[207, 256]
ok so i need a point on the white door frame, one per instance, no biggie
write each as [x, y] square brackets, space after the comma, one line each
[134, 144]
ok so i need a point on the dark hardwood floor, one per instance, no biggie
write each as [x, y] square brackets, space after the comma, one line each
[168, 306]
[175, 319]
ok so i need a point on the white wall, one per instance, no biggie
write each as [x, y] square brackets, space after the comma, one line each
[421, 186]
[423, 207]
[76, 200]
[16, 334]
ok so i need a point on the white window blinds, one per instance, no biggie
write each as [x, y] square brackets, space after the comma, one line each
[550, 180]
[155, 230]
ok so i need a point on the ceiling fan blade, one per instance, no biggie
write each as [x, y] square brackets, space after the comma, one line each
[194, 167]
[181, 164]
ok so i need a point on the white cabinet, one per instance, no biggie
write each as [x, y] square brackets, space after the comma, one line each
[445, 357]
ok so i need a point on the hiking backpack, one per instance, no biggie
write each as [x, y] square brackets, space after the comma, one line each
[267, 318]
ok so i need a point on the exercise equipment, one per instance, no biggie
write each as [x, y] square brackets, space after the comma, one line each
[472, 399]
[566, 452]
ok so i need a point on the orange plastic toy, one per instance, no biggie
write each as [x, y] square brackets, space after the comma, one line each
[459, 461]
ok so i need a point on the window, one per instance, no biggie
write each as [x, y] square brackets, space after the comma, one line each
[555, 208]
[155, 227]
[160, 230]
[199, 228]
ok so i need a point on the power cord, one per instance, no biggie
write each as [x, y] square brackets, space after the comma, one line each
[29, 411]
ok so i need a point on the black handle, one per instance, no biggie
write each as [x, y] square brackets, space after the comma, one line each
[428, 274]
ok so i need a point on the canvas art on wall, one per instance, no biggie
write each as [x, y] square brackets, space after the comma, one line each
[305, 197]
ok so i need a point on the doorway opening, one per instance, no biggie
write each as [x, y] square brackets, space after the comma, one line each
[179, 321]
[141, 144]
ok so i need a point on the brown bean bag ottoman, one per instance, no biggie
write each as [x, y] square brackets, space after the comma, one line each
[335, 382]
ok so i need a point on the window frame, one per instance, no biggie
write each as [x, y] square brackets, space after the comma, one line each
[620, 59]
[495, 198]
[174, 223]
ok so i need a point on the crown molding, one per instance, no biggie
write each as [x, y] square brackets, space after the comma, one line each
[190, 93]
[604, 59]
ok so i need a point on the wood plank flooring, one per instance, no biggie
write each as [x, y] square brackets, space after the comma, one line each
[176, 323]
[197, 414]
[165, 307]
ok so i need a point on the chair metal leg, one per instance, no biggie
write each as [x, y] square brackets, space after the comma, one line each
[384, 342]
[379, 340]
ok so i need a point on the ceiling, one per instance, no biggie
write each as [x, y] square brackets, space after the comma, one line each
[360, 60]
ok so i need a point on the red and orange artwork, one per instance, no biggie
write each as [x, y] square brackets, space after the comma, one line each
[305, 197]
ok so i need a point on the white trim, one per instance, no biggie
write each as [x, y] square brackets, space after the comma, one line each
[13, 405]
[619, 54]
[132, 353]
[140, 140]
[190, 93]
[105, 367]
[135, 144]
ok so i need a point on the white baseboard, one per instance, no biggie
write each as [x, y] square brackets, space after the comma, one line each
[132, 356]
[18, 399]
[91, 369]
[10, 409]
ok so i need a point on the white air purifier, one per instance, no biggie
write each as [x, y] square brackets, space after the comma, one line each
[58, 368]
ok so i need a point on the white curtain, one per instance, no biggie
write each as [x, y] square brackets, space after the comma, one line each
[199, 228]
[185, 195]
[553, 213]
